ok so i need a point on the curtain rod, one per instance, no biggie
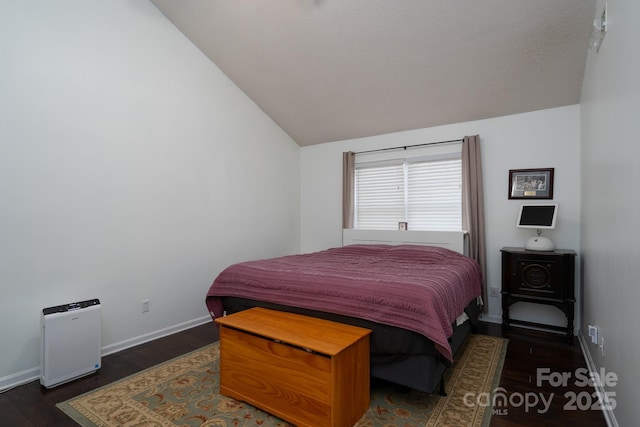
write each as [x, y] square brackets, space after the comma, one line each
[404, 147]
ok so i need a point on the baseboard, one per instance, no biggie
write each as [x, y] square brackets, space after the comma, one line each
[19, 378]
[490, 318]
[141, 339]
[608, 413]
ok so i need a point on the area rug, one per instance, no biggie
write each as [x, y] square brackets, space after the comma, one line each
[184, 392]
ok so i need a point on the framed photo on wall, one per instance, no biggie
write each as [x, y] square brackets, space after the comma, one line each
[531, 183]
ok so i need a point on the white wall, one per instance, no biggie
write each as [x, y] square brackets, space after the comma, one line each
[547, 138]
[131, 168]
[610, 110]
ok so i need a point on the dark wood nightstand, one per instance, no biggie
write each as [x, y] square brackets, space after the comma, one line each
[542, 278]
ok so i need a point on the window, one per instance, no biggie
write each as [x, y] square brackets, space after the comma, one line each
[425, 192]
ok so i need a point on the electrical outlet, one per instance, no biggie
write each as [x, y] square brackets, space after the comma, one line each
[593, 333]
[145, 306]
[495, 291]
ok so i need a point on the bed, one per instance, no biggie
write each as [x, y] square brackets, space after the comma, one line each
[414, 290]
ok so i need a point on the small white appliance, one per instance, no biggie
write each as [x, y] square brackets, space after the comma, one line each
[71, 343]
[538, 217]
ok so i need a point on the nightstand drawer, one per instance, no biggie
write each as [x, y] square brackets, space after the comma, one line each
[536, 277]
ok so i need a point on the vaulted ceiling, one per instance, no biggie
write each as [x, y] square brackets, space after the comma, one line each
[328, 70]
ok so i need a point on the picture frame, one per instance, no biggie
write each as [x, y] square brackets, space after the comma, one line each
[531, 183]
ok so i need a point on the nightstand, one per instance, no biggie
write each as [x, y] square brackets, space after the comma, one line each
[539, 277]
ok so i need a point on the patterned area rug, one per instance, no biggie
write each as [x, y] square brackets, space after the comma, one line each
[184, 392]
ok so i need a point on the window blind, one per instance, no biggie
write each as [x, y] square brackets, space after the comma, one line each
[435, 195]
[426, 193]
[380, 198]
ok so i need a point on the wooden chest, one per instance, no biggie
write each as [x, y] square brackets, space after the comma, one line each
[307, 371]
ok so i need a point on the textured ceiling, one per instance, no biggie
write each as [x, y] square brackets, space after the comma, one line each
[328, 70]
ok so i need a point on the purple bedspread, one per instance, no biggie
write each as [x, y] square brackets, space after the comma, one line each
[419, 288]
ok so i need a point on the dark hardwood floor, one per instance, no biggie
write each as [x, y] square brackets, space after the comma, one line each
[32, 405]
[528, 351]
